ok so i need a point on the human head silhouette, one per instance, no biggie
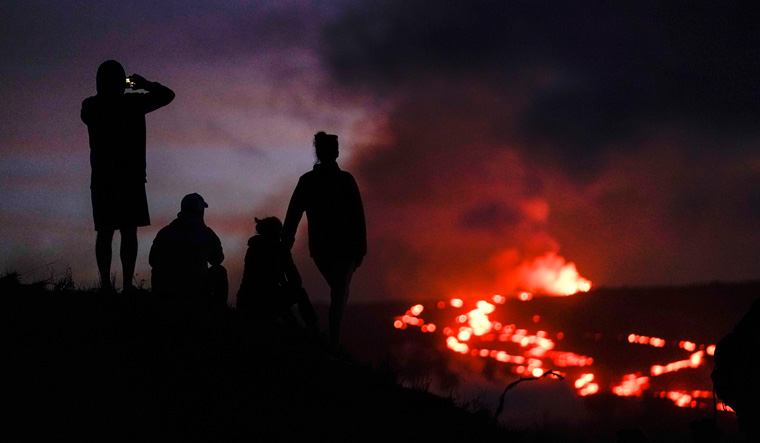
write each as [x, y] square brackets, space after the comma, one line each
[326, 146]
[192, 205]
[269, 226]
[111, 79]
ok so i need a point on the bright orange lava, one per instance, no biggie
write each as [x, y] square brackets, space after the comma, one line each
[631, 385]
[537, 354]
[552, 275]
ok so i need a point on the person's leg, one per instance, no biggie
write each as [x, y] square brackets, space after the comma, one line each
[128, 255]
[338, 274]
[285, 308]
[103, 242]
[305, 308]
[219, 285]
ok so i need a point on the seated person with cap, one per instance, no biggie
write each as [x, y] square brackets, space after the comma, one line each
[181, 254]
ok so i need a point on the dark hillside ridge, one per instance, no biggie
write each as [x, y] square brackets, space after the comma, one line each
[79, 364]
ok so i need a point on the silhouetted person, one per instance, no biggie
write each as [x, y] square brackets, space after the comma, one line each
[736, 376]
[116, 126]
[181, 254]
[271, 283]
[337, 231]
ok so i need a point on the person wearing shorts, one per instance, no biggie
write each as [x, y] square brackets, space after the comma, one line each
[115, 123]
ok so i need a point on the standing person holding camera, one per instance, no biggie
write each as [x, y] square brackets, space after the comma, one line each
[116, 126]
[337, 230]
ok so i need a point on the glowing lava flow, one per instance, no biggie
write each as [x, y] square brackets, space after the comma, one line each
[472, 330]
[631, 385]
[693, 362]
[585, 386]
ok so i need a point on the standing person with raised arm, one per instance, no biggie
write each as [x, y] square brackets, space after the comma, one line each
[116, 126]
[337, 230]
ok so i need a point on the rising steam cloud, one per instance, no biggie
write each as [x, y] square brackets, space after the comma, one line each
[541, 149]
[549, 274]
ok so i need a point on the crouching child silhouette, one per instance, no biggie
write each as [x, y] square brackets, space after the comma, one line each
[180, 258]
[271, 283]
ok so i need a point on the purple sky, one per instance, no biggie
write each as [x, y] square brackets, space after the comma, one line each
[482, 135]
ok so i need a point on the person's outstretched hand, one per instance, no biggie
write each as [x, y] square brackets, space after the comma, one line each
[139, 81]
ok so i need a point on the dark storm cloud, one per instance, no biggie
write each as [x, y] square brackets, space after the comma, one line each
[613, 66]
[620, 134]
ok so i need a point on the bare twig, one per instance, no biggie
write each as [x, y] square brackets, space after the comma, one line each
[38, 268]
[499, 410]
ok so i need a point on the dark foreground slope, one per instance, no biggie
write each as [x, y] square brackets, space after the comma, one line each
[78, 364]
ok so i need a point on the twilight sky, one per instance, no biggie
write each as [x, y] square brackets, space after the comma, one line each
[483, 135]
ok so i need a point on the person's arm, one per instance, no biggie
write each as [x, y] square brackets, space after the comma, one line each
[361, 224]
[291, 271]
[154, 258]
[296, 209]
[158, 95]
[87, 111]
[216, 255]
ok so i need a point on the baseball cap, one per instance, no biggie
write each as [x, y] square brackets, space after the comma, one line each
[193, 203]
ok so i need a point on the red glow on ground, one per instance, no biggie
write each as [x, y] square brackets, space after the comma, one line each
[453, 344]
[584, 380]
[694, 361]
[473, 334]
[589, 389]
[565, 359]
[478, 320]
[645, 340]
[585, 386]
[692, 399]
[631, 385]
[525, 296]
